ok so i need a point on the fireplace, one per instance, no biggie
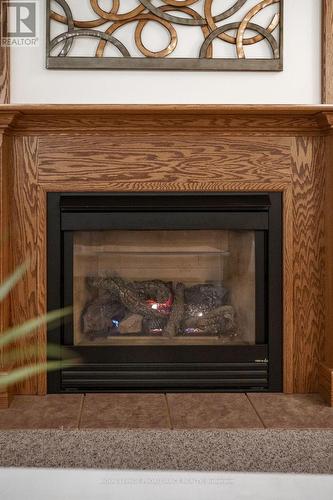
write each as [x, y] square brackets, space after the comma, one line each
[169, 291]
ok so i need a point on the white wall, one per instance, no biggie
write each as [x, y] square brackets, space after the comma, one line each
[298, 83]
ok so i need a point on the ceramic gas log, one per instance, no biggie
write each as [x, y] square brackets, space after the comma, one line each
[121, 307]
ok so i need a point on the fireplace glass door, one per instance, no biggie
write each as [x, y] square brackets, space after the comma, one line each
[168, 291]
[164, 287]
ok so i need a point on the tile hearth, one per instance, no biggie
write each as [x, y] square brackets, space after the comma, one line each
[167, 411]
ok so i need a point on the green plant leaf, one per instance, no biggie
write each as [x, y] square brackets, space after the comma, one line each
[54, 351]
[29, 326]
[6, 287]
[28, 371]
[26, 329]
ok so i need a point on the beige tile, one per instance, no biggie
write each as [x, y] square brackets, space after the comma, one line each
[212, 411]
[35, 412]
[127, 411]
[293, 411]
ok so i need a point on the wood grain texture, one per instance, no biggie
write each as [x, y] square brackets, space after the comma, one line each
[170, 123]
[288, 295]
[138, 159]
[216, 186]
[41, 284]
[4, 229]
[226, 120]
[6, 159]
[23, 246]
[308, 166]
[4, 58]
[4, 247]
[276, 111]
[5, 399]
[326, 367]
[327, 52]
[328, 354]
[326, 383]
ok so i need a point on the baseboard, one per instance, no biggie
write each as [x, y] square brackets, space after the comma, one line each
[5, 397]
[326, 383]
[5, 400]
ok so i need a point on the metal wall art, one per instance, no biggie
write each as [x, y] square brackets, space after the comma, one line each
[202, 34]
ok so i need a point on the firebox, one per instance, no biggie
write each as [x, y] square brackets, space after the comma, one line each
[169, 292]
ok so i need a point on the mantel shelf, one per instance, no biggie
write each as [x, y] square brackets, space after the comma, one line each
[249, 120]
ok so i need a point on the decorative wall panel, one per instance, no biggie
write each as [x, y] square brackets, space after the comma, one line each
[169, 34]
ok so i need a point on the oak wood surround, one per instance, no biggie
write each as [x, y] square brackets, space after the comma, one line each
[327, 51]
[326, 367]
[175, 148]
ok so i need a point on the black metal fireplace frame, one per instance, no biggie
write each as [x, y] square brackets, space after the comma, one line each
[170, 368]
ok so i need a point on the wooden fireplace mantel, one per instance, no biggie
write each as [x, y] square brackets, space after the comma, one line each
[177, 148]
[235, 119]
